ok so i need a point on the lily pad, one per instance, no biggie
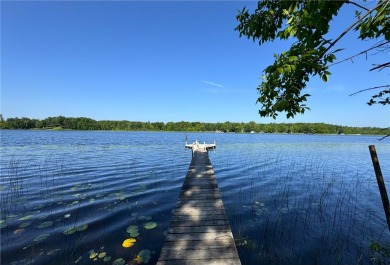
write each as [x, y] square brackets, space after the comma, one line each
[73, 203]
[132, 228]
[108, 258]
[11, 216]
[93, 255]
[27, 217]
[102, 255]
[150, 225]
[143, 256]
[119, 261]
[3, 223]
[45, 224]
[69, 231]
[134, 234]
[52, 252]
[144, 218]
[23, 225]
[43, 216]
[133, 231]
[81, 227]
[129, 242]
[41, 237]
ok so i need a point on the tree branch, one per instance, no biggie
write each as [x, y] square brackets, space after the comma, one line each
[350, 27]
[360, 53]
[381, 66]
[356, 4]
[371, 88]
[384, 137]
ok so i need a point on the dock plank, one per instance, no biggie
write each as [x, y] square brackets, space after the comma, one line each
[200, 232]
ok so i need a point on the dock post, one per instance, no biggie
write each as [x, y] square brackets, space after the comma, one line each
[381, 183]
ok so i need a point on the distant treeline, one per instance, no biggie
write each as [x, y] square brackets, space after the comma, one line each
[82, 123]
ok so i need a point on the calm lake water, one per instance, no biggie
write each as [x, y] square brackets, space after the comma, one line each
[73, 197]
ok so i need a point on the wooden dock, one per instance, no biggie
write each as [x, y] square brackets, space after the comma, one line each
[198, 146]
[199, 233]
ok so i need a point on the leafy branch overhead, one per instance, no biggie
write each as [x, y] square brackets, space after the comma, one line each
[312, 54]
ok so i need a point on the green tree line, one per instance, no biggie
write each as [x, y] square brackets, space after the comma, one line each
[82, 123]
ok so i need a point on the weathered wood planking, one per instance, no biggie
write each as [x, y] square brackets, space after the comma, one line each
[200, 233]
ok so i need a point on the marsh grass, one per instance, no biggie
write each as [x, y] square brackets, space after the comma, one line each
[56, 208]
[293, 208]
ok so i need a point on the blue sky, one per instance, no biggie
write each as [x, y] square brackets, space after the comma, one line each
[161, 61]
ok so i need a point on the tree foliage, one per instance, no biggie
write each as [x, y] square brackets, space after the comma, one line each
[82, 123]
[312, 53]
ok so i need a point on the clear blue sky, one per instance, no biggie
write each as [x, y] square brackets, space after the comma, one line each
[160, 61]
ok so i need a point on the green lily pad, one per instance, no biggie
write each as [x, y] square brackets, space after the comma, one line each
[133, 231]
[106, 259]
[73, 203]
[135, 234]
[41, 237]
[23, 225]
[81, 227]
[11, 216]
[144, 218]
[143, 256]
[44, 216]
[27, 217]
[3, 223]
[150, 225]
[52, 252]
[45, 224]
[119, 261]
[102, 255]
[92, 255]
[69, 231]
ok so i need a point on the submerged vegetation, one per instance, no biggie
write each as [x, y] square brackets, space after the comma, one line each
[82, 123]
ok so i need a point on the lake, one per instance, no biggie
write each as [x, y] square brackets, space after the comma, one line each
[74, 197]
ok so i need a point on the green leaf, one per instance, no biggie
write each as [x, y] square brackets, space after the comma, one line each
[41, 237]
[27, 217]
[69, 231]
[81, 227]
[150, 225]
[45, 224]
[119, 261]
[293, 58]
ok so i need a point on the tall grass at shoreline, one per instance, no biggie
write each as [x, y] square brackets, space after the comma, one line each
[299, 208]
[55, 208]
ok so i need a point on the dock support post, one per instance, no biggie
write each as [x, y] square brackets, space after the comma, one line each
[381, 183]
